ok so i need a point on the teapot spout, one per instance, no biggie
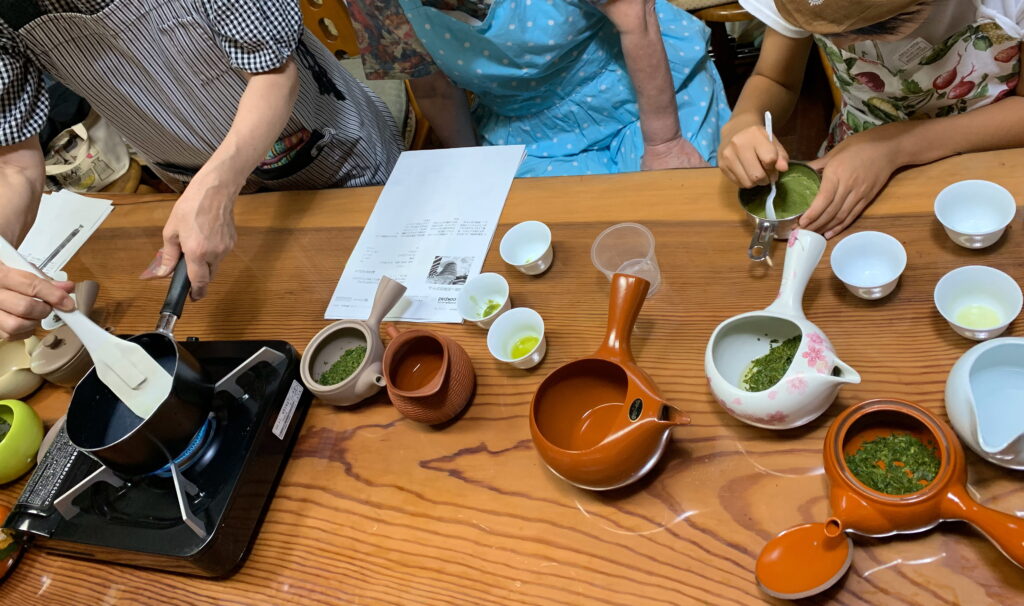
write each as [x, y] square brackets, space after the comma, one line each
[844, 373]
[370, 381]
[673, 416]
[1002, 441]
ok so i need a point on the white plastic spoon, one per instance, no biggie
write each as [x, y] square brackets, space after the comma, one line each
[770, 204]
[132, 374]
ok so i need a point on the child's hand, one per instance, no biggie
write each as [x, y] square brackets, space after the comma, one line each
[855, 171]
[678, 153]
[750, 159]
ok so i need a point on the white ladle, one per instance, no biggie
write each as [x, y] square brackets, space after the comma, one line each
[769, 208]
[132, 374]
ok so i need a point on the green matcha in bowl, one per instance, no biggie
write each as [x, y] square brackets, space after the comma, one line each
[795, 190]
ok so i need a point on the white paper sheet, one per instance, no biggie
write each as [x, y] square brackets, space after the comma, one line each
[65, 220]
[430, 230]
[64, 223]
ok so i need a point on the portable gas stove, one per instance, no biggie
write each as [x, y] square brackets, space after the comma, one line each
[198, 515]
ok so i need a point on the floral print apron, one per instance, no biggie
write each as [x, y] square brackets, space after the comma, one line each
[976, 66]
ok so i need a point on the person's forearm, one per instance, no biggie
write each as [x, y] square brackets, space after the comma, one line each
[760, 94]
[21, 180]
[647, 64]
[263, 111]
[774, 86]
[996, 126]
[446, 108]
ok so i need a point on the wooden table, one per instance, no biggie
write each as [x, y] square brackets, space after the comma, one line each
[375, 509]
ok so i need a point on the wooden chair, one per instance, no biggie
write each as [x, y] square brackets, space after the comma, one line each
[716, 14]
[329, 21]
[128, 183]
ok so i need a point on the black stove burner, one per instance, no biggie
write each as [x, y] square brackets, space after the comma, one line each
[198, 515]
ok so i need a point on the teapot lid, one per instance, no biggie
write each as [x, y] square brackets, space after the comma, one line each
[803, 561]
[58, 350]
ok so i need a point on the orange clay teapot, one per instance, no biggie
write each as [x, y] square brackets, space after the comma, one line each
[600, 422]
[807, 559]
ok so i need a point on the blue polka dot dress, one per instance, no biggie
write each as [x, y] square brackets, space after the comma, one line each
[550, 74]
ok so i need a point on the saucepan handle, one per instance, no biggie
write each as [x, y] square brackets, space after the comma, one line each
[627, 298]
[760, 244]
[1004, 530]
[178, 290]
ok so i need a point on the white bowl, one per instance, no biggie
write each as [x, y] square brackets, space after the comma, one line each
[527, 247]
[975, 213]
[869, 263]
[983, 286]
[509, 328]
[478, 293]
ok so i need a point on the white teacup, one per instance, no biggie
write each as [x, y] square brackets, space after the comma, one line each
[869, 263]
[975, 213]
[979, 302]
[483, 299]
[509, 329]
[527, 247]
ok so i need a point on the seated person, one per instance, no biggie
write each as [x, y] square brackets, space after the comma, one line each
[920, 81]
[587, 87]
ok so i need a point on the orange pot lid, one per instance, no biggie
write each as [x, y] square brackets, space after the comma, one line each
[803, 561]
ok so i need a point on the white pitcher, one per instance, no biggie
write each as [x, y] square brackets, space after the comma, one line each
[985, 400]
[814, 377]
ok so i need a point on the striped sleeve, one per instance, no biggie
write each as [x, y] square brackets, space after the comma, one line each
[24, 104]
[257, 35]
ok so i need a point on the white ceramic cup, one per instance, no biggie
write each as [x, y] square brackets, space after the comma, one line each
[627, 248]
[975, 213]
[509, 328]
[978, 285]
[527, 247]
[480, 292]
[869, 263]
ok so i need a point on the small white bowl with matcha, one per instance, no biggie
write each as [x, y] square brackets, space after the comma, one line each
[795, 190]
[483, 298]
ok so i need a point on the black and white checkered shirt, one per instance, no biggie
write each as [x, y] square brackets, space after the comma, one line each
[257, 35]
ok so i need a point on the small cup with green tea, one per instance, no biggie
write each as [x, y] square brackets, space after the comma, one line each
[527, 247]
[517, 338]
[979, 302]
[483, 298]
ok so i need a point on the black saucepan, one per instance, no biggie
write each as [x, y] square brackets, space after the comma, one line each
[99, 424]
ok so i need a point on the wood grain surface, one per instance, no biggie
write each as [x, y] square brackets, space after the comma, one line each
[375, 509]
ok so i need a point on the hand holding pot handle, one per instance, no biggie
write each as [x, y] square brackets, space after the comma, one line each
[1004, 530]
[803, 251]
[177, 291]
[627, 298]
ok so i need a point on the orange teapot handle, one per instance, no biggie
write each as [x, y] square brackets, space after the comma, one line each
[1004, 530]
[390, 330]
[627, 298]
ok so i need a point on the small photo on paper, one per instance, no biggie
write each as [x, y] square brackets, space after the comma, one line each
[449, 271]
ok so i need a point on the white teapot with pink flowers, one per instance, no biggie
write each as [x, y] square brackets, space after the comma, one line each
[813, 378]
